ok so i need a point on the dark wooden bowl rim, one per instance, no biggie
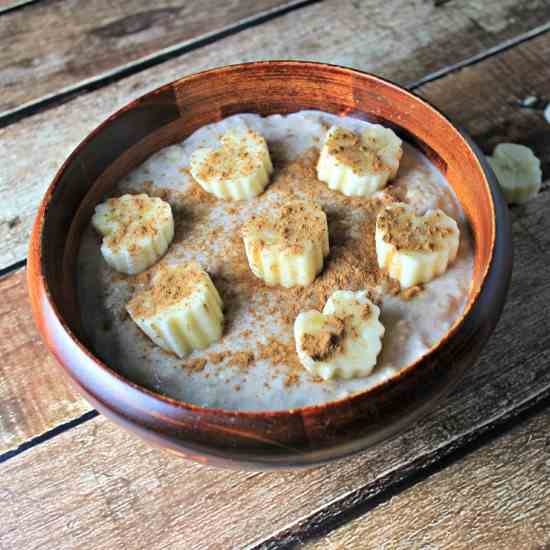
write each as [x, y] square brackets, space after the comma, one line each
[37, 276]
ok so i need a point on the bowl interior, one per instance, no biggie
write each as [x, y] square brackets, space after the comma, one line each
[172, 113]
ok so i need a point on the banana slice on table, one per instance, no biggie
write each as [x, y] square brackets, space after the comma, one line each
[415, 249]
[136, 230]
[518, 171]
[344, 340]
[359, 165]
[182, 311]
[239, 169]
[287, 245]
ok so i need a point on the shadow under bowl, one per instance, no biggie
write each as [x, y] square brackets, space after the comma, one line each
[282, 439]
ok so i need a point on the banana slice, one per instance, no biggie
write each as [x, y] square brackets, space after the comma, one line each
[359, 165]
[415, 249]
[287, 246]
[181, 312]
[137, 230]
[239, 169]
[344, 340]
[518, 171]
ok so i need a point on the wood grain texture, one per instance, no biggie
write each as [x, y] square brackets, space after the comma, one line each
[53, 46]
[97, 485]
[399, 41]
[111, 484]
[493, 119]
[6, 5]
[496, 497]
[34, 395]
[511, 373]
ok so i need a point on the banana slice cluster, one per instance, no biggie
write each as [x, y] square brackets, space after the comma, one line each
[136, 230]
[181, 312]
[359, 165]
[414, 249]
[518, 171]
[287, 245]
[239, 169]
[344, 340]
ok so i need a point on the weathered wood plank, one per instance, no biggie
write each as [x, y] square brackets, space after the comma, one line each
[98, 484]
[111, 484]
[34, 395]
[513, 369]
[6, 5]
[53, 46]
[469, 81]
[42, 377]
[115, 489]
[496, 497]
[511, 373]
[397, 40]
[525, 71]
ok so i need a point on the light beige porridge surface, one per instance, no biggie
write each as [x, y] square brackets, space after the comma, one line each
[254, 366]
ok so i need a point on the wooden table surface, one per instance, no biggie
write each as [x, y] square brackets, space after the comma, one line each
[474, 473]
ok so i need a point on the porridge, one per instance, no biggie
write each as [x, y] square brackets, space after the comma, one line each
[254, 365]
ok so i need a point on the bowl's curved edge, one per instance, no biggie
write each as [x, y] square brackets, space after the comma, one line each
[41, 302]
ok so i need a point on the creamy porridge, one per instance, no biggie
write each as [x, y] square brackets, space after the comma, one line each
[254, 366]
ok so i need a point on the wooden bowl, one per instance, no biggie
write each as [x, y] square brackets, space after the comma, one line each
[263, 440]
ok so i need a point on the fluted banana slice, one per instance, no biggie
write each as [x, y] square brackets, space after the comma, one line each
[359, 165]
[181, 312]
[518, 171]
[344, 340]
[238, 169]
[287, 245]
[136, 230]
[415, 249]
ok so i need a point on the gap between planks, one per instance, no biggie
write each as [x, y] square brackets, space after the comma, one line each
[404, 41]
[5, 271]
[7, 6]
[494, 496]
[124, 70]
[504, 376]
[46, 436]
[499, 48]
[17, 265]
[514, 213]
[358, 503]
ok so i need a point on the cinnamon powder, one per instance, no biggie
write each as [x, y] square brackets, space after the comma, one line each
[351, 264]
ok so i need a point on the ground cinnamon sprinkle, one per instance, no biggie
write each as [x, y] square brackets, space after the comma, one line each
[411, 292]
[169, 286]
[290, 226]
[279, 353]
[221, 164]
[128, 212]
[291, 380]
[348, 148]
[196, 192]
[218, 357]
[241, 360]
[196, 365]
[351, 265]
[326, 343]
[404, 234]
